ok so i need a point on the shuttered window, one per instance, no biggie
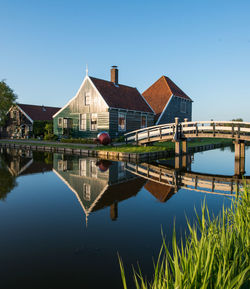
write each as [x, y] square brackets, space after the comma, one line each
[143, 121]
[60, 121]
[93, 121]
[83, 122]
[121, 121]
[86, 192]
[87, 98]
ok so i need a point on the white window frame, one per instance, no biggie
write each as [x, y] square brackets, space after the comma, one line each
[83, 167]
[183, 106]
[86, 192]
[80, 122]
[146, 120]
[93, 169]
[122, 114]
[87, 96]
[93, 114]
[58, 121]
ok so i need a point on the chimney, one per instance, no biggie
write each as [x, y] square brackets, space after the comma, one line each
[114, 74]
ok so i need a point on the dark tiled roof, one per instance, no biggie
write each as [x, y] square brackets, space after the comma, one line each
[120, 192]
[159, 191]
[39, 112]
[120, 96]
[159, 93]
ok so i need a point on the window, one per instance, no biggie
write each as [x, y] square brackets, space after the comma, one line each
[83, 122]
[62, 165]
[143, 121]
[87, 98]
[121, 170]
[60, 121]
[93, 169]
[121, 121]
[86, 192]
[94, 121]
[67, 122]
[83, 167]
[183, 106]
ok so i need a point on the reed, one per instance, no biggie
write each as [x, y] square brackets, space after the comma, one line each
[216, 253]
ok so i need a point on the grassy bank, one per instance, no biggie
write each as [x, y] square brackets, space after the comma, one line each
[216, 253]
[129, 148]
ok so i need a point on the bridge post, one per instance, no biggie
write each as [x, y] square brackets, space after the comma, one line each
[114, 211]
[184, 146]
[177, 137]
[177, 162]
[184, 161]
[239, 163]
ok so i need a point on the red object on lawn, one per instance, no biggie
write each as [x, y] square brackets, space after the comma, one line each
[104, 138]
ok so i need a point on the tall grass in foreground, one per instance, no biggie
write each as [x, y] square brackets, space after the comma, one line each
[217, 257]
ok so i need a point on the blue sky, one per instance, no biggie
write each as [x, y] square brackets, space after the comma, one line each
[203, 46]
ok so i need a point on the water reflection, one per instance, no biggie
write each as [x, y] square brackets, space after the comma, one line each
[15, 163]
[171, 176]
[97, 183]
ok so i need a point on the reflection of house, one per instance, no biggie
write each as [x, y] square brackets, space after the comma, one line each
[101, 105]
[20, 162]
[21, 118]
[168, 101]
[160, 191]
[96, 184]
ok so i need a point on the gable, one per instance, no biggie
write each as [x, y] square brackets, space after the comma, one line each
[159, 94]
[77, 103]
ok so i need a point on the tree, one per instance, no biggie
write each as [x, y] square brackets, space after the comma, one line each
[7, 99]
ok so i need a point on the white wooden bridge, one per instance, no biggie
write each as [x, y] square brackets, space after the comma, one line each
[193, 129]
[180, 132]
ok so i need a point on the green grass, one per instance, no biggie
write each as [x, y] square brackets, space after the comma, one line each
[216, 254]
[196, 142]
[129, 148]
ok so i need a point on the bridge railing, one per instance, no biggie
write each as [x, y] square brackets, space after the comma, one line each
[177, 130]
[149, 132]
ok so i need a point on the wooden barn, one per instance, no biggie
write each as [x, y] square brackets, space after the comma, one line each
[101, 105]
[168, 101]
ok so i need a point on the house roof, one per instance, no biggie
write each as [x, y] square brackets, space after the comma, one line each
[159, 191]
[121, 96]
[159, 93]
[38, 112]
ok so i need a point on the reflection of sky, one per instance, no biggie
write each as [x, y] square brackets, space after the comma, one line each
[218, 162]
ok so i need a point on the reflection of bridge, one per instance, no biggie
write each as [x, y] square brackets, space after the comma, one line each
[206, 183]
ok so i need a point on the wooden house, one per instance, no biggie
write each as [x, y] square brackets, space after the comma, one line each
[21, 119]
[168, 101]
[101, 105]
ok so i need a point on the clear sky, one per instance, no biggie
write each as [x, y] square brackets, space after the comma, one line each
[203, 46]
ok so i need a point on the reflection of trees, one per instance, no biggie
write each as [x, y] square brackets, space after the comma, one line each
[7, 181]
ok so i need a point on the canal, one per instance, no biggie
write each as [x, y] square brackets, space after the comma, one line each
[64, 219]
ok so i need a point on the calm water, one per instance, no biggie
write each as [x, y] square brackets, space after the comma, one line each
[64, 219]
